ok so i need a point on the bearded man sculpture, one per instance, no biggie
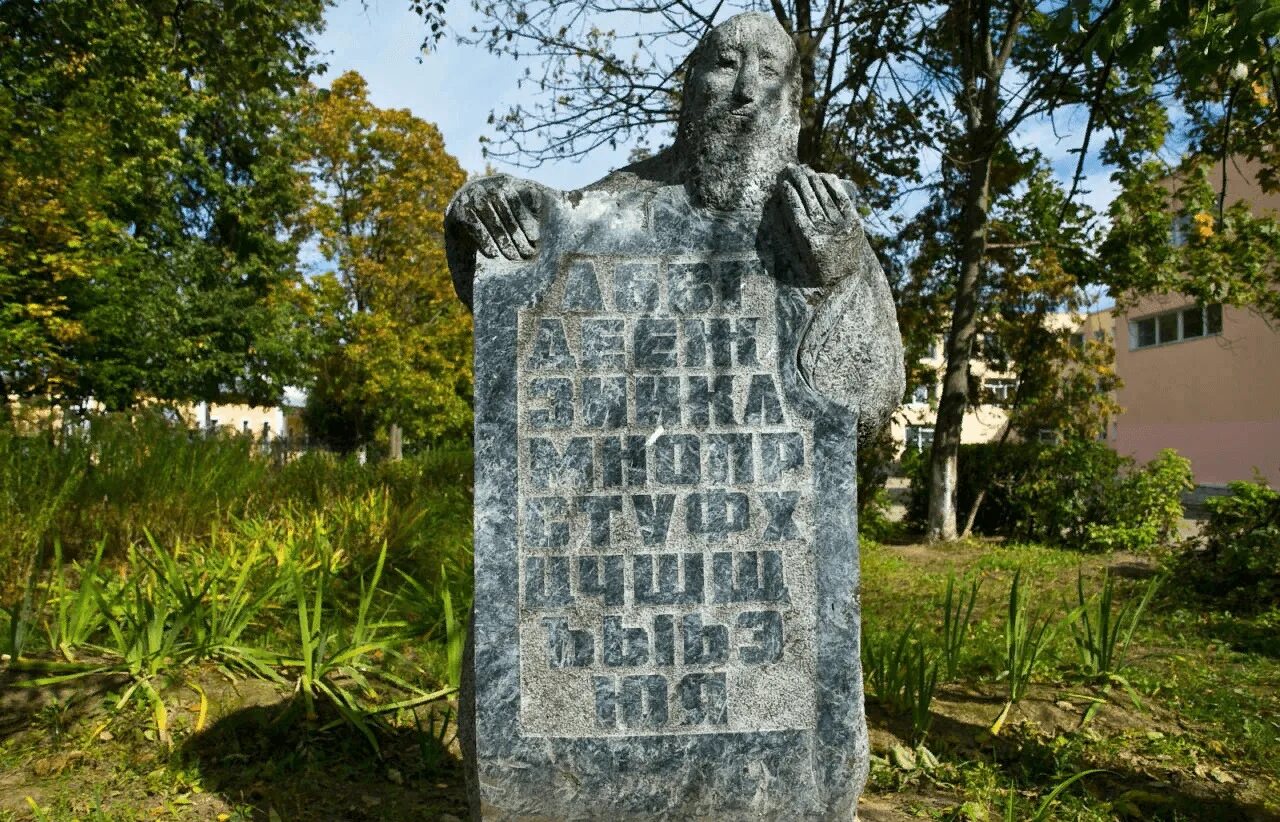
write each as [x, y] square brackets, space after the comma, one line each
[674, 367]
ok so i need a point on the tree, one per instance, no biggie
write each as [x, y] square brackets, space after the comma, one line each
[596, 84]
[394, 344]
[146, 182]
[1221, 64]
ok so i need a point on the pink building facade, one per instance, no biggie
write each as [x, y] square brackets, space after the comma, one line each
[1204, 380]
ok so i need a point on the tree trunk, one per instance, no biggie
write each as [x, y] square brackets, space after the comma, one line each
[944, 458]
[395, 444]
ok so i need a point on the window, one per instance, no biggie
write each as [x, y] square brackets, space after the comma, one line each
[1144, 333]
[1213, 318]
[1179, 230]
[1192, 323]
[924, 393]
[1175, 326]
[992, 349]
[1000, 390]
[920, 437]
[1047, 436]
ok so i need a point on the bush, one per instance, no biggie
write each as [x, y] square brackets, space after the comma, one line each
[124, 479]
[1237, 560]
[997, 468]
[1071, 488]
[1077, 493]
[1145, 507]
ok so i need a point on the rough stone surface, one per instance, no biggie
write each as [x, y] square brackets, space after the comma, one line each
[673, 368]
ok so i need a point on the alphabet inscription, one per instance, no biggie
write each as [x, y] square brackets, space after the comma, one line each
[664, 504]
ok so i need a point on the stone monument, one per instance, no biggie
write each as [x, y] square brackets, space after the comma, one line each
[673, 368]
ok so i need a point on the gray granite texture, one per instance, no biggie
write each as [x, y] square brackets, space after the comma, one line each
[673, 369]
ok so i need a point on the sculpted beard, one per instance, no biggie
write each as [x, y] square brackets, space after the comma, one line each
[733, 166]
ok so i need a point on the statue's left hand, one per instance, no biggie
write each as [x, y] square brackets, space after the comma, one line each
[821, 219]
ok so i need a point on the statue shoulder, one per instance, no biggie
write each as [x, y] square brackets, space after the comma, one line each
[658, 171]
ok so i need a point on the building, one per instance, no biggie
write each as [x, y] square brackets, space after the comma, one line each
[266, 423]
[912, 425]
[1202, 379]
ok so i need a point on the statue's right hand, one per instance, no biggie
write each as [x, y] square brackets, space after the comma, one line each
[499, 215]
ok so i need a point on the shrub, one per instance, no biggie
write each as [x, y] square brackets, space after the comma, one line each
[1070, 489]
[1078, 493]
[1237, 560]
[998, 469]
[1145, 507]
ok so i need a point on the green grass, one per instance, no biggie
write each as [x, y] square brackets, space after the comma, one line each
[199, 631]
[225, 637]
[1200, 743]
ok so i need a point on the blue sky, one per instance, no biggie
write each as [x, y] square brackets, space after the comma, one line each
[456, 87]
[453, 86]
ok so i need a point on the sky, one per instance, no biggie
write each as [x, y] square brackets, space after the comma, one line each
[453, 86]
[456, 87]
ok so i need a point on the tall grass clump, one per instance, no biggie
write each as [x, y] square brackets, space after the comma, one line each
[902, 676]
[136, 546]
[1026, 634]
[1101, 633]
[957, 615]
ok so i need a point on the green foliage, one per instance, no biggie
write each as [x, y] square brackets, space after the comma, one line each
[1027, 632]
[206, 531]
[121, 478]
[1231, 251]
[1237, 560]
[902, 676]
[146, 190]
[1070, 491]
[997, 468]
[875, 459]
[957, 614]
[1146, 506]
[1078, 493]
[392, 342]
[1102, 635]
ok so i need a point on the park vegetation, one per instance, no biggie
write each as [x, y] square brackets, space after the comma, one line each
[194, 626]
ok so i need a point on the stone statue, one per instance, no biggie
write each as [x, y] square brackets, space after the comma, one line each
[674, 368]
[735, 150]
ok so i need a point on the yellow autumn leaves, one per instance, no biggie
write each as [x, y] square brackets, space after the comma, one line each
[394, 342]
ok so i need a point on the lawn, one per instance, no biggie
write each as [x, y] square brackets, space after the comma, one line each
[282, 644]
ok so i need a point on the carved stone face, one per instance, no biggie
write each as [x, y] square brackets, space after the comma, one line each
[740, 121]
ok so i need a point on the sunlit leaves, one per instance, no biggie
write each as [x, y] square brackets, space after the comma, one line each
[394, 341]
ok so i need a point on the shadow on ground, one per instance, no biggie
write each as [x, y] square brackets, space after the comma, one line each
[274, 764]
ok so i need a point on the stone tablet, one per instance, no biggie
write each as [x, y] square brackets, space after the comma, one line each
[664, 623]
[672, 372]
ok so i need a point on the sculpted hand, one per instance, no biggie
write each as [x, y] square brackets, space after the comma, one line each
[822, 221]
[499, 215]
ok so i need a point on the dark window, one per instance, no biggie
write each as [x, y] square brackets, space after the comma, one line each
[920, 437]
[1001, 390]
[1213, 318]
[1192, 323]
[1146, 332]
[1167, 327]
